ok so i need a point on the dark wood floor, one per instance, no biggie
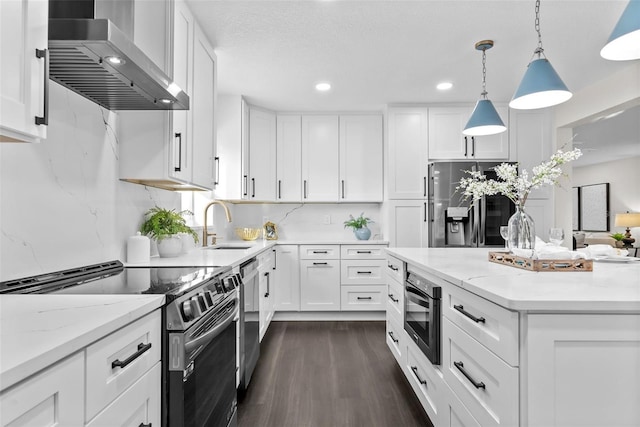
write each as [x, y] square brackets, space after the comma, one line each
[320, 374]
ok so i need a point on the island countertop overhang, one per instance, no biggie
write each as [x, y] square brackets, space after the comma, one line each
[610, 287]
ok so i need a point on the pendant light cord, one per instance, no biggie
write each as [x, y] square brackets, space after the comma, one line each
[539, 50]
[484, 73]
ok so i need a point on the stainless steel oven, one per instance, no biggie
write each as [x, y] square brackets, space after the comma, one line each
[422, 313]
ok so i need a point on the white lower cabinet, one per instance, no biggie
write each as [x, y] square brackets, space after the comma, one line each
[265, 288]
[426, 381]
[55, 396]
[320, 285]
[454, 413]
[363, 298]
[138, 406]
[287, 278]
[484, 383]
[396, 340]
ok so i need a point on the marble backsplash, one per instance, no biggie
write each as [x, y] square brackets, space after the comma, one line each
[61, 202]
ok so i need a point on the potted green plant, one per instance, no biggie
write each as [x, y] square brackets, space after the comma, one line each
[359, 226]
[618, 238]
[166, 227]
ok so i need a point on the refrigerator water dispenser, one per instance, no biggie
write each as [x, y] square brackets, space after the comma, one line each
[457, 226]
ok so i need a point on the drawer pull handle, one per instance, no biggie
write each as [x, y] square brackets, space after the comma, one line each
[319, 263]
[364, 272]
[393, 299]
[364, 298]
[320, 252]
[394, 268]
[121, 364]
[144, 425]
[461, 309]
[414, 369]
[393, 338]
[363, 252]
[460, 367]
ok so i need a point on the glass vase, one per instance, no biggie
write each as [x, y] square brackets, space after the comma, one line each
[522, 233]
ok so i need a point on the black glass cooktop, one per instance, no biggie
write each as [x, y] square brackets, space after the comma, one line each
[113, 278]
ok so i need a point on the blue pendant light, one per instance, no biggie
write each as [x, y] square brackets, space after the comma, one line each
[541, 86]
[484, 120]
[624, 42]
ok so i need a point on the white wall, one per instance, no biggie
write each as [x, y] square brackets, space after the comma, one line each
[623, 177]
[61, 203]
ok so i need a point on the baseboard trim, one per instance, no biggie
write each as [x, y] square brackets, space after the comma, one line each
[328, 315]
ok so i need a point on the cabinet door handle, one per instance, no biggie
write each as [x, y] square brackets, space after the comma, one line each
[245, 185]
[363, 272]
[178, 137]
[268, 284]
[414, 369]
[217, 166]
[392, 298]
[343, 188]
[122, 363]
[44, 120]
[304, 188]
[465, 146]
[461, 309]
[275, 259]
[320, 263]
[279, 189]
[473, 146]
[424, 186]
[425, 211]
[460, 367]
[253, 187]
[363, 252]
[393, 338]
[364, 298]
[145, 425]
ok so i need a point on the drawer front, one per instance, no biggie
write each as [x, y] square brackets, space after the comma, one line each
[483, 382]
[490, 324]
[363, 298]
[395, 269]
[396, 340]
[362, 252]
[366, 272]
[106, 381]
[319, 252]
[139, 405]
[395, 301]
[455, 413]
[426, 381]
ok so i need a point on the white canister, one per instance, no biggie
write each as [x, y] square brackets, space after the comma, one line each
[138, 248]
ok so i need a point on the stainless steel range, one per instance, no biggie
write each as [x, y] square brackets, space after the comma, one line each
[199, 330]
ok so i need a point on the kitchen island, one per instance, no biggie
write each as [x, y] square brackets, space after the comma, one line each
[525, 348]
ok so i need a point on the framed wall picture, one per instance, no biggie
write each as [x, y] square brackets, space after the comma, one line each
[594, 207]
[575, 194]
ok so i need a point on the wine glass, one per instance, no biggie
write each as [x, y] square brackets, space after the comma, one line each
[556, 236]
[504, 232]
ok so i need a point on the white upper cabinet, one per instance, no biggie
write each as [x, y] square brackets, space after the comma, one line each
[288, 163]
[23, 71]
[262, 155]
[172, 149]
[446, 141]
[361, 164]
[407, 153]
[232, 118]
[320, 160]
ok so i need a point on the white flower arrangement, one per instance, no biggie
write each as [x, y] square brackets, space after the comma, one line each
[516, 186]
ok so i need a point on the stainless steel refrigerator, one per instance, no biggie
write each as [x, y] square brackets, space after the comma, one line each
[455, 222]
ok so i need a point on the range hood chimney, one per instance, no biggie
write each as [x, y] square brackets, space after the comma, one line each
[92, 53]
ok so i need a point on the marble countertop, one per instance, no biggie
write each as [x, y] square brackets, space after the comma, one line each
[39, 330]
[210, 256]
[610, 287]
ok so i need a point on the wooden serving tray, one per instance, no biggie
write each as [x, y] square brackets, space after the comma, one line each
[573, 265]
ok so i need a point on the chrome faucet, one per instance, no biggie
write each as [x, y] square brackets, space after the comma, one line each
[205, 231]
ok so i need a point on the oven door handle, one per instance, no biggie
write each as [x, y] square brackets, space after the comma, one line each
[212, 333]
[422, 298]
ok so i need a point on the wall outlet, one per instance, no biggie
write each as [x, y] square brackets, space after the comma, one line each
[326, 220]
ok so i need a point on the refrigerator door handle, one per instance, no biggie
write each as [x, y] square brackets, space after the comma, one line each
[475, 223]
[483, 216]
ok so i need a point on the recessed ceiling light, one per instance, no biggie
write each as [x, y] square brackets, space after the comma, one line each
[323, 87]
[444, 86]
[115, 60]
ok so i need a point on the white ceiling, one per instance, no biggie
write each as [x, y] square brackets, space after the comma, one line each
[380, 52]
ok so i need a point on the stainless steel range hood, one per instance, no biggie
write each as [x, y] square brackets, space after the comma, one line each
[90, 55]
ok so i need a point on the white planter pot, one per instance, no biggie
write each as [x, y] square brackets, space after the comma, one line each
[170, 247]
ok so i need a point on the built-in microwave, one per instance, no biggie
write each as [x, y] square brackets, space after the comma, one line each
[422, 314]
